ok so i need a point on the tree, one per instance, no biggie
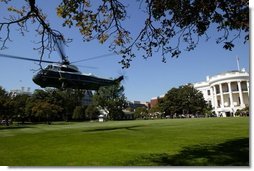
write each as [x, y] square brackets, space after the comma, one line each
[18, 104]
[44, 105]
[92, 112]
[79, 113]
[5, 107]
[183, 100]
[112, 99]
[242, 112]
[3, 100]
[155, 108]
[170, 104]
[70, 99]
[45, 110]
[170, 26]
[156, 111]
[140, 112]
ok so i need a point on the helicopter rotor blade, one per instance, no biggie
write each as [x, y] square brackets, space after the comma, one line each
[60, 49]
[28, 59]
[95, 57]
[85, 66]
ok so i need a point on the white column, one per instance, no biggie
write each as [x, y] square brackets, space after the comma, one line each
[230, 95]
[221, 96]
[240, 93]
[212, 95]
[248, 85]
[215, 98]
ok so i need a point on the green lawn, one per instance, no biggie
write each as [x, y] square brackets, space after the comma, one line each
[177, 142]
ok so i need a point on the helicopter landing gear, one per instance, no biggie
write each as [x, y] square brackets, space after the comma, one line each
[64, 85]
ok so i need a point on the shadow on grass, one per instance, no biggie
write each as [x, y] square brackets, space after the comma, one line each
[62, 123]
[230, 153]
[14, 127]
[132, 128]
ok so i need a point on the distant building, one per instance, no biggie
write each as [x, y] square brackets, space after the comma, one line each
[135, 104]
[87, 98]
[226, 92]
[155, 100]
[23, 90]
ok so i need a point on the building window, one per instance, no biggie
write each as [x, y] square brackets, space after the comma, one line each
[217, 89]
[244, 86]
[224, 87]
[234, 87]
[218, 103]
[208, 92]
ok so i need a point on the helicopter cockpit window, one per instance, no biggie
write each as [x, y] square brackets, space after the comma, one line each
[68, 69]
[49, 67]
[55, 68]
[52, 68]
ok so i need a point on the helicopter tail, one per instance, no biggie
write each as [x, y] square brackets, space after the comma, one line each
[119, 79]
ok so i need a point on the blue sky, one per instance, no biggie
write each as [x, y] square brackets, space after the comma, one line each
[145, 78]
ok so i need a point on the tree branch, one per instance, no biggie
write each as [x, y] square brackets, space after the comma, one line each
[49, 36]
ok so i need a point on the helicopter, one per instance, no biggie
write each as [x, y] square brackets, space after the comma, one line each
[64, 75]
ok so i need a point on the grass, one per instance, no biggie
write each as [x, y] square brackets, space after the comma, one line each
[175, 142]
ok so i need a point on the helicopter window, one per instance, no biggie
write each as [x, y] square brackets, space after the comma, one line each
[55, 68]
[75, 76]
[52, 68]
[49, 67]
[68, 69]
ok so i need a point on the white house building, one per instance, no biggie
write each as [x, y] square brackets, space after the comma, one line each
[226, 92]
[21, 91]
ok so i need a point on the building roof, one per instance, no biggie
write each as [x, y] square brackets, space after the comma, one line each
[220, 76]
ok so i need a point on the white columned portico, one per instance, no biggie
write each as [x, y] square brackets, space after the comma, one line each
[230, 95]
[236, 87]
[221, 96]
[240, 93]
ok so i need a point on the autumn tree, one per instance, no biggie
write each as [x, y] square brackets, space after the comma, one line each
[44, 105]
[169, 26]
[45, 110]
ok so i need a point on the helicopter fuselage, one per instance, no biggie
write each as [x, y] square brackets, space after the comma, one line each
[68, 76]
[64, 75]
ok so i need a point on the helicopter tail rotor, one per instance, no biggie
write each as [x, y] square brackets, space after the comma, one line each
[122, 72]
[119, 79]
